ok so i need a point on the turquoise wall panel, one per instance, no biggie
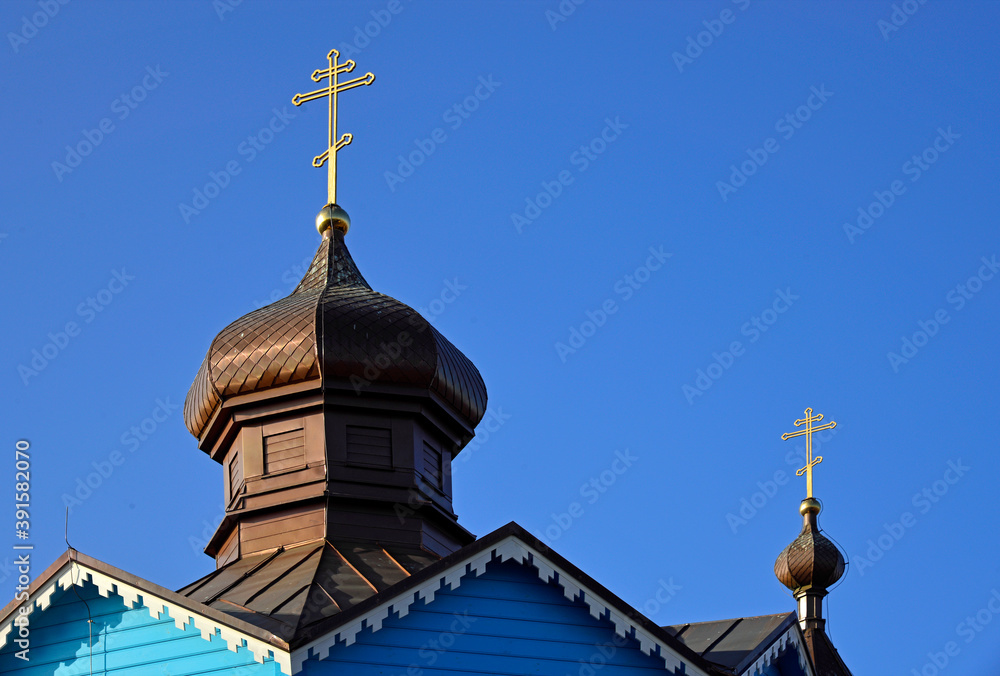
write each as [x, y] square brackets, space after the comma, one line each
[120, 641]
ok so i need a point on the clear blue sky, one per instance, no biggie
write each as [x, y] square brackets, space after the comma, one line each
[737, 140]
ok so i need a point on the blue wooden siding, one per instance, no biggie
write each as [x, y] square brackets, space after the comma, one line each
[126, 642]
[506, 621]
[787, 664]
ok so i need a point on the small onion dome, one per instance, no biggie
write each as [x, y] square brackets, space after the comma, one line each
[335, 329]
[811, 561]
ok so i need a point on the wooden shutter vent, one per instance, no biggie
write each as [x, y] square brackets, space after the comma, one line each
[433, 468]
[369, 447]
[235, 475]
[285, 450]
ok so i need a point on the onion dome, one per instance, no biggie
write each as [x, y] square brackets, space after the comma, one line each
[811, 561]
[335, 330]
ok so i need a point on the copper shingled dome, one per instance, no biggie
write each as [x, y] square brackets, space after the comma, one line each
[333, 328]
[811, 560]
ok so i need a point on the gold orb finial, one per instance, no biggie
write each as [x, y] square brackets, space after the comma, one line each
[810, 506]
[332, 216]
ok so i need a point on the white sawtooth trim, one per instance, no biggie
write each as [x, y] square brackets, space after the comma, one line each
[791, 638]
[75, 573]
[510, 548]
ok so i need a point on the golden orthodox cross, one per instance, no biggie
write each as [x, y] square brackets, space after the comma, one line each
[331, 90]
[808, 432]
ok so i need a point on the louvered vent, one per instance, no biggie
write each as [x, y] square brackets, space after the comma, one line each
[235, 475]
[286, 450]
[369, 447]
[433, 467]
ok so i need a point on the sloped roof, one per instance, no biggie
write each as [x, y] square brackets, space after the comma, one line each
[288, 590]
[266, 598]
[742, 642]
[730, 642]
[824, 655]
[510, 542]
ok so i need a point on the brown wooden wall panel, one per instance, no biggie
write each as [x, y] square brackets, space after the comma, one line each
[287, 425]
[433, 469]
[363, 526]
[284, 450]
[235, 470]
[315, 439]
[369, 446]
[230, 550]
[289, 441]
[253, 454]
[281, 528]
[388, 530]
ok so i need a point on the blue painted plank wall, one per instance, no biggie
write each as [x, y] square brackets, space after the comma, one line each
[506, 621]
[787, 664]
[126, 642]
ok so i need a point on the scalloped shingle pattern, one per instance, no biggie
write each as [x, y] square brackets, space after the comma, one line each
[810, 560]
[333, 326]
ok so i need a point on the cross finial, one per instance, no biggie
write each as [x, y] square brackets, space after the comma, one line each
[808, 432]
[333, 88]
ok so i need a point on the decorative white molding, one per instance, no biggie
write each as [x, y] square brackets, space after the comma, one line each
[79, 574]
[510, 548]
[791, 638]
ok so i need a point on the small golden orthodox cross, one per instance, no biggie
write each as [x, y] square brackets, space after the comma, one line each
[808, 432]
[333, 88]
